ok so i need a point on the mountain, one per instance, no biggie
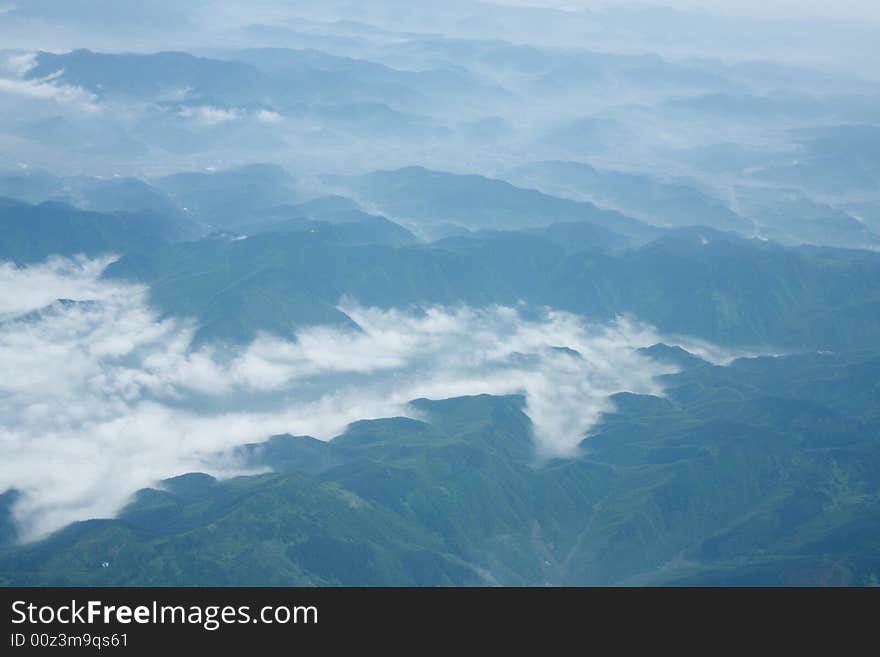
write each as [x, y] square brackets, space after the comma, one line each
[152, 76]
[336, 218]
[672, 354]
[695, 281]
[28, 185]
[281, 281]
[309, 213]
[231, 197]
[362, 229]
[834, 160]
[791, 217]
[436, 197]
[30, 233]
[640, 195]
[116, 194]
[582, 137]
[324, 77]
[731, 290]
[731, 479]
[277, 78]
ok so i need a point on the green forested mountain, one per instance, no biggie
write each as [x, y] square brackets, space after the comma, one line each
[554, 297]
[735, 291]
[734, 479]
[30, 233]
[694, 281]
[278, 282]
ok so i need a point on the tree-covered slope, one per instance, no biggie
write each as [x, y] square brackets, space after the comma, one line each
[279, 282]
[731, 290]
[731, 479]
[694, 281]
[30, 233]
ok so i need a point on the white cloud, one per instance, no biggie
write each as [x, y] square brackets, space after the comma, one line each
[23, 289]
[108, 398]
[48, 88]
[19, 64]
[269, 116]
[209, 116]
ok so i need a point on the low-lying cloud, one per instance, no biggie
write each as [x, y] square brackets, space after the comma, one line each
[13, 82]
[102, 397]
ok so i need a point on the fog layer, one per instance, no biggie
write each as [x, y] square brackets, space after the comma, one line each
[103, 397]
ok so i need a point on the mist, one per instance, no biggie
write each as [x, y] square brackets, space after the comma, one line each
[109, 398]
[224, 222]
[716, 99]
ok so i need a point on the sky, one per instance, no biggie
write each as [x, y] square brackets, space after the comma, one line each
[841, 9]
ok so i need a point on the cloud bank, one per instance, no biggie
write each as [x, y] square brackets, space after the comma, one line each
[14, 68]
[108, 398]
